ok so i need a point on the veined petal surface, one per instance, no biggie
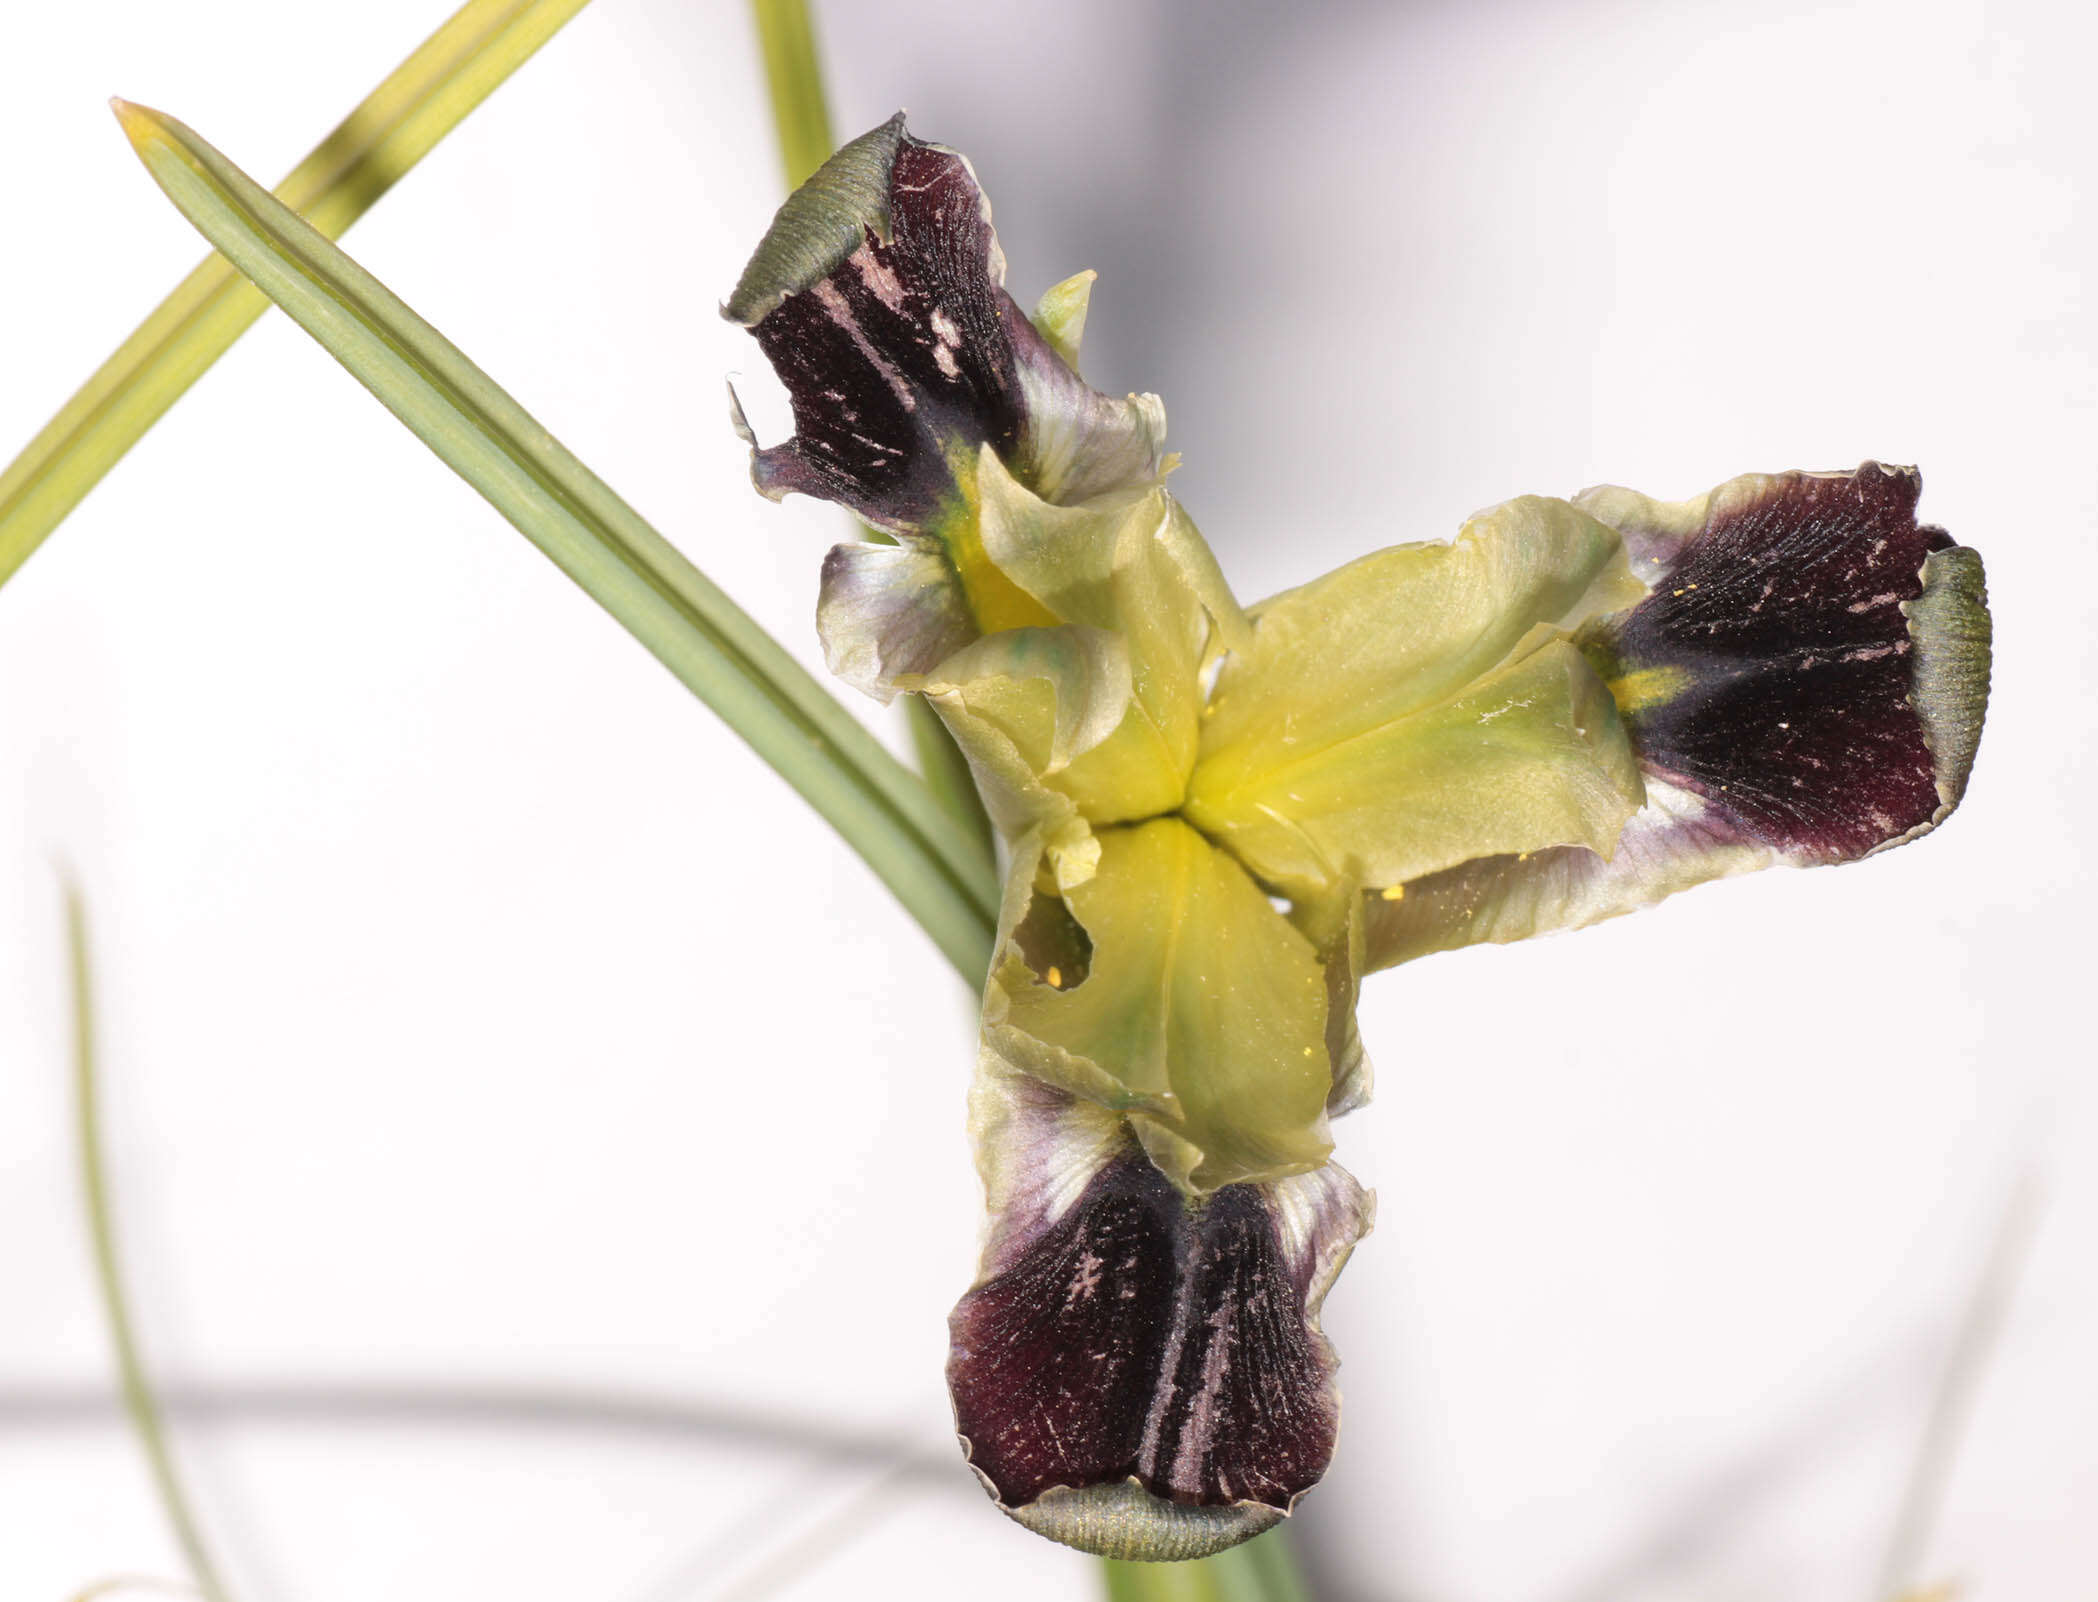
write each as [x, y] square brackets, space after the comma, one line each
[1805, 685]
[1201, 1015]
[878, 296]
[1529, 756]
[887, 612]
[1134, 1372]
[1402, 629]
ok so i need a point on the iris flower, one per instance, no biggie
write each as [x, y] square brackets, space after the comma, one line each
[1217, 819]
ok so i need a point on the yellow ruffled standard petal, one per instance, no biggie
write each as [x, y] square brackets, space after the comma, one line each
[1129, 565]
[1200, 1014]
[1405, 710]
[1022, 705]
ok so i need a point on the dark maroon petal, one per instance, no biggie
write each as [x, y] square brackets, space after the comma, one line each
[1245, 1409]
[1771, 671]
[1056, 1360]
[878, 296]
[1806, 684]
[1137, 1336]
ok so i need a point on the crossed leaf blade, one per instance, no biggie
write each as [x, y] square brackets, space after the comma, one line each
[393, 128]
[714, 648]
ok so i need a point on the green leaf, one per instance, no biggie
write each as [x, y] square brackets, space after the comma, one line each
[715, 649]
[800, 113]
[395, 127]
[140, 1403]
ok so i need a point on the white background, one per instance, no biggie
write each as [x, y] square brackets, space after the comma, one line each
[482, 1020]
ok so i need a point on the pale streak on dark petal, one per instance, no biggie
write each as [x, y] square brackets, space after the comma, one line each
[1804, 685]
[878, 296]
[1784, 622]
[1126, 1357]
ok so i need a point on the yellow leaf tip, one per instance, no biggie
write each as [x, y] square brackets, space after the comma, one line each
[142, 124]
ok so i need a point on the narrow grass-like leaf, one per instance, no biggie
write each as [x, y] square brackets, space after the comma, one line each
[716, 650]
[395, 127]
[794, 80]
[139, 1400]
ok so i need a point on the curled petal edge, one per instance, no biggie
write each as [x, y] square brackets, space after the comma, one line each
[1839, 649]
[1134, 1376]
[878, 295]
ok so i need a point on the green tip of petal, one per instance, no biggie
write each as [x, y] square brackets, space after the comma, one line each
[1949, 622]
[1126, 1521]
[821, 224]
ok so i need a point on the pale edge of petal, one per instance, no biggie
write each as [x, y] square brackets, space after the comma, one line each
[889, 612]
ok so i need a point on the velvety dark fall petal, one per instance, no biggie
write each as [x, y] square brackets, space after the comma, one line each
[1772, 671]
[1805, 685]
[878, 295]
[1121, 1334]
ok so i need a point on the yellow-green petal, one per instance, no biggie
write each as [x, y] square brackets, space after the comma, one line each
[1022, 704]
[1201, 1015]
[1129, 558]
[1805, 685]
[1528, 757]
[1129, 562]
[1403, 629]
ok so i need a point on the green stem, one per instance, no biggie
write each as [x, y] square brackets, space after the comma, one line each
[139, 1401]
[795, 78]
[395, 126]
[1263, 1570]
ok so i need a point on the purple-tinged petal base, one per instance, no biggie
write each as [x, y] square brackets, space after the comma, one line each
[1805, 685]
[885, 612]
